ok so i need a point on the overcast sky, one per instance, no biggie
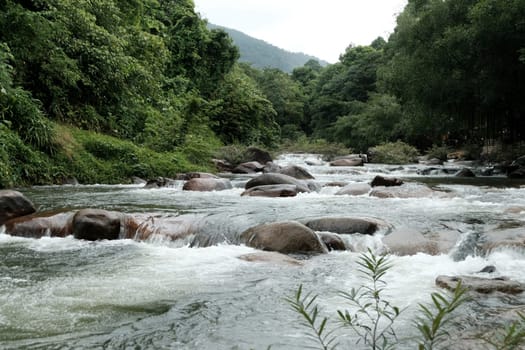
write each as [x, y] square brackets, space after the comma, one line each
[320, 28]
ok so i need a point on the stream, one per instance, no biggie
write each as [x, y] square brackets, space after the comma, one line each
[63, 293]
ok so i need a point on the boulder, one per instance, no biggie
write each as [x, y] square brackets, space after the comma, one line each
[51, 224]
[196, 175]
[222, 165]
[296, 172]
[271, 167]
[248, 168]
[465, 172]
[138, 181]
[207, 184]
[481, 284]
[385, 181]
[355, 189]
[332, 241]
[258, 155]
[271, 257]
[272, 191]
[97, 224]
[344, 225]
[14, 204]
[404, 191]
[276, 179]
[404, 241]
[160, 182]
[347, 162]
[283, 237]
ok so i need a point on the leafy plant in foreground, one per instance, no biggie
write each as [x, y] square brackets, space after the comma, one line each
[436, 316]
[511, 337]
[304, 306]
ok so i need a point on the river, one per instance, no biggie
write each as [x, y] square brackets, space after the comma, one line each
[62, 293]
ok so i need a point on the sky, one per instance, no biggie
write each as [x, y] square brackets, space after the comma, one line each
[320, 28]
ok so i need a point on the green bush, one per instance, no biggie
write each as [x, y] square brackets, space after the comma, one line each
[439, 152]
[317, 146]
[393, 153]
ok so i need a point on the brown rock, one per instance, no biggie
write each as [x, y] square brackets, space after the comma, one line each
[272, 191]
[481, 285]
[332, 241]
[277, 179]
[14, 204]
[207, 184]
[97, 224]
[284, 237]
[344, 225]
[38, 225]
[347, 162]
[385, 181]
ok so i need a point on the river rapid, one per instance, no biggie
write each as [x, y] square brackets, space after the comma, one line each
[62, 293]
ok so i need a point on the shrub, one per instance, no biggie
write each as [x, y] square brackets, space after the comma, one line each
[439, 152]
[393, 153]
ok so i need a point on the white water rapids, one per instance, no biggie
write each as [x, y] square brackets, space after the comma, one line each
[62, 293]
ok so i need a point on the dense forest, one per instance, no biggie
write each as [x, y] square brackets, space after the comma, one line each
[102, 90]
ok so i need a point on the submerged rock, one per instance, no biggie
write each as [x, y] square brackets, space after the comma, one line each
[271, 257]
[404, 191]
[345, 225]
[355, 189]
[14, 204]
[347, 162]
[51, 224]
[481, 285]
[404, 241]
[284, 237]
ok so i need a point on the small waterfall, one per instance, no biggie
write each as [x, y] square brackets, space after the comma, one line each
[468, 245]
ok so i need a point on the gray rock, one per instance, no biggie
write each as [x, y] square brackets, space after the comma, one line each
[481, 285]
[277, 179]
[355, 189]
[283, 237]
[344, 225]
[332, 241]
[97, 224]
[272, 191]
[207, 184]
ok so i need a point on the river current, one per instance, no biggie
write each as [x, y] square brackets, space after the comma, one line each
[62, 293]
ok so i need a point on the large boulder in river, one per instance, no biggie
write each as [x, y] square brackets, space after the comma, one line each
[97, 224]
[481, 284]
[272, 191]
[14, 204]
[207, 184]
[354, 189]
[296, 172]
[283, 237]
[277, 179]
[38, 225]
[344, 225]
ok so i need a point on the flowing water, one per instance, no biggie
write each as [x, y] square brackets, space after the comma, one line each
[62, 293]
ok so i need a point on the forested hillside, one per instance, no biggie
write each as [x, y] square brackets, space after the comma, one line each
[261, 54]
[108, 89]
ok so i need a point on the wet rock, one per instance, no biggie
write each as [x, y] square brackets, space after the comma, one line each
[296, 172]
[314, 162]
[207, 184]
[404, 191]
[385, 181]
[355, 189]
[344, 225]
[248, 168]
[404, 241]
[50, 224]
[271, 167]
[284, 237]
[488, 269]
[138, 181]
[97, 224]
[332, 241]
[503, 238]
[276, 179]
[465, 172]
[196, 175]
[141, 227]
[347, 162]
[481, 285]
[258, 155]
[271, 257]
[14, 204]
[160, 182]
[222, 165]
[336, 184]
[272, 191]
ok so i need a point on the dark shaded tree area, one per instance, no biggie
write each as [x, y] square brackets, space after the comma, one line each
[145, 70]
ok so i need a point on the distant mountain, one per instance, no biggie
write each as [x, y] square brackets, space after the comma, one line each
[264, 55]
